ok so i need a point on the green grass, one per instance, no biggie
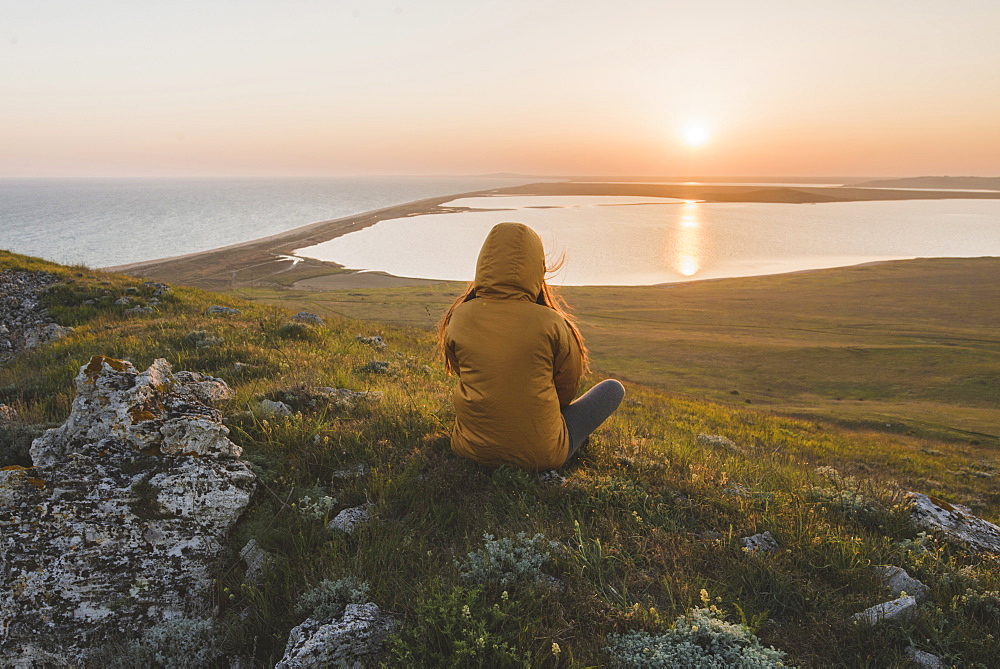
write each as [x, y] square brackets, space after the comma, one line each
[648, 518]
[911, 343]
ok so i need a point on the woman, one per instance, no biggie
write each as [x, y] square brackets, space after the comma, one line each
[519, 359]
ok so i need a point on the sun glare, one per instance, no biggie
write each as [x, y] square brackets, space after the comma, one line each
[695, 134]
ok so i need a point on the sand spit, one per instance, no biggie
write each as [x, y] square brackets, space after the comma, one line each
[266, 261]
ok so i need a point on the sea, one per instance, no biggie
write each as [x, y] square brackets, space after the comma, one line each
[600, 240]
[106, 222]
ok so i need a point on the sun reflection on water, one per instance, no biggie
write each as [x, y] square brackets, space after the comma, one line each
[687, 244]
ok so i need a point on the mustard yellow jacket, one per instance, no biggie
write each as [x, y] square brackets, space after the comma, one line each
[517, 361]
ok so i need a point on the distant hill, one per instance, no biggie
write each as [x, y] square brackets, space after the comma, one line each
[984, 183]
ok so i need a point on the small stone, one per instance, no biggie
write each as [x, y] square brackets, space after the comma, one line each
[898, 582]
[349, 519]
[123, 301]
[923, 659]
[551, 476]
[357, 636]
[351, 472]
[256, 560]
[309, 318]
[375, 341]
[215, 309]
[273, 408]
[956, 522]
[886, 610]
[763, 542]
[718, 442]
[138, 311]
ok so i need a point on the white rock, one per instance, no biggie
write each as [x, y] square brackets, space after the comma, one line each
[307, 317]
[272, 408]
[899, 582]
[923, 660]
[955, 521]
[257, 561]
[348, 519]
[763, 542]
[100, 540]
[886, 610]
[356, 636]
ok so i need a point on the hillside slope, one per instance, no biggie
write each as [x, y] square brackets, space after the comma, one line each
[647, 524]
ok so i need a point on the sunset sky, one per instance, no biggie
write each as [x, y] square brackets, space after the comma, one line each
[190, 88]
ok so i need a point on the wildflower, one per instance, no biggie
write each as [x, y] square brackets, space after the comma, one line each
[556, 649]
[466, 612]
[704, 596]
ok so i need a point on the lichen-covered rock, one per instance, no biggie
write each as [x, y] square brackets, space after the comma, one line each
[763, 543]
[899, 582]
[956, 522]
[357, 635]
[117, 527]
[273, 408]
[923, 659]
[140, 310]
[24, 322]
[159, 289]
[151, 410]
[307, 317]
[257, 561]
[886, 610]
[348, 519]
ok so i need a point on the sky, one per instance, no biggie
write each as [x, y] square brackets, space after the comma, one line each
[97, 88]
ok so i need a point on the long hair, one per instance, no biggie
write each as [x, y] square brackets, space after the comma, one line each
[548, 297]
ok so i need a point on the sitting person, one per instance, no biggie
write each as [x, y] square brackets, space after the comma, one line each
[519, 358]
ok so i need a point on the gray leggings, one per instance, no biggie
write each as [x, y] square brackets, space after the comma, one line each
[587, 412]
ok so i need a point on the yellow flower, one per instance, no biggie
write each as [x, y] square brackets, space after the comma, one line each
[556, 649]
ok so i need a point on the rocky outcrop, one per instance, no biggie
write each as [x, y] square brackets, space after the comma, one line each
[357, 635]
[956, 522]
[897, 608]
[118, 525]
[759, 543]
[24, 323]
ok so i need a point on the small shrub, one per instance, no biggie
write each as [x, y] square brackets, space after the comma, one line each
[203, 339]
[328, 599]
[506, 561]
[459, 628]
[15, 443]
[698, 638]
[317, 509]
[180, 643]
[294, 331]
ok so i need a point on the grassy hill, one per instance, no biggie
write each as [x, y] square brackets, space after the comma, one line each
[646, 526]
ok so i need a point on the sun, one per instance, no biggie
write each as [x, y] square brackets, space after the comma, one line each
[694, 134]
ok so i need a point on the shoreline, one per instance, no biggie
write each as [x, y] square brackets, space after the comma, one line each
[269, 261]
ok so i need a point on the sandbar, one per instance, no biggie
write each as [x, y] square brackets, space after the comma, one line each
[267, 262]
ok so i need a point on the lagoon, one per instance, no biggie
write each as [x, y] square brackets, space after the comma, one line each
[643, 240]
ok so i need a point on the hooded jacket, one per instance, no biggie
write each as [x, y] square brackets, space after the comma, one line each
[517, 361]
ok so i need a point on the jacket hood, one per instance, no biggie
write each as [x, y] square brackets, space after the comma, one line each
[511, 264]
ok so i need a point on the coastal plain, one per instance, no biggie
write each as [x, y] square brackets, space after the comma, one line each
[905, 346]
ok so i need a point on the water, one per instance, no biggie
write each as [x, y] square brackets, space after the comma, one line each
[100, 222]
[639, 241]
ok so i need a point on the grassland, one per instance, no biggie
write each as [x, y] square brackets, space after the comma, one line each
[907, 346]
[647, 519]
